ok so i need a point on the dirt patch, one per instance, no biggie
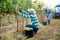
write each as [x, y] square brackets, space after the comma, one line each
[50, 32]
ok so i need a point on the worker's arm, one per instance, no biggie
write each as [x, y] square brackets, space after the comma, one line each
[24, 14]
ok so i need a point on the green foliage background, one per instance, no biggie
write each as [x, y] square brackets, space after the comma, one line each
[9, 5]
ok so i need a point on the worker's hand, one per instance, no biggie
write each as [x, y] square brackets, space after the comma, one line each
[20, 10]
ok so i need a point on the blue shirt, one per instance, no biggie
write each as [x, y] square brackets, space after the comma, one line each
[48, 13]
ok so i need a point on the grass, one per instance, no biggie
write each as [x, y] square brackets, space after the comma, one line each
[46, 33]
[52, 38]
[9, 37]
[19, 36]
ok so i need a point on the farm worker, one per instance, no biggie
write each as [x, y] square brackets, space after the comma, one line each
[31, 13]
[48, 14]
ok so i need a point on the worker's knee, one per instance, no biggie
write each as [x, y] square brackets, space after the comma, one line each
[35, 30]
[29, 25]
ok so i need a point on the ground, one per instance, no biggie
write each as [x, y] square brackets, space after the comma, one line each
[48, 32]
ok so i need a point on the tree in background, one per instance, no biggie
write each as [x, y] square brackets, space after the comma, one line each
[9, 6]
[38, 5]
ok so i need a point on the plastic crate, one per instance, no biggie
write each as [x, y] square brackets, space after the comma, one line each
[29, 32]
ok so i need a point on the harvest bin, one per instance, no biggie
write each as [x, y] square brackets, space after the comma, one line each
[44, 23]
[29, 32]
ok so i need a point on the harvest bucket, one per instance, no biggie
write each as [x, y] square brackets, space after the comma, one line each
[44, 23]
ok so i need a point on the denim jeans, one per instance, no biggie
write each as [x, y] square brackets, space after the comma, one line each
[48, 21]
[32, 26]
[49, 17]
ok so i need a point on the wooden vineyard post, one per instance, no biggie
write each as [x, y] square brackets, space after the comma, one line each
[16, 16]
[22, 24]
[0, 19]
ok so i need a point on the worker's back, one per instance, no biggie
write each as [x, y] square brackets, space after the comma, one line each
[47, 10]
